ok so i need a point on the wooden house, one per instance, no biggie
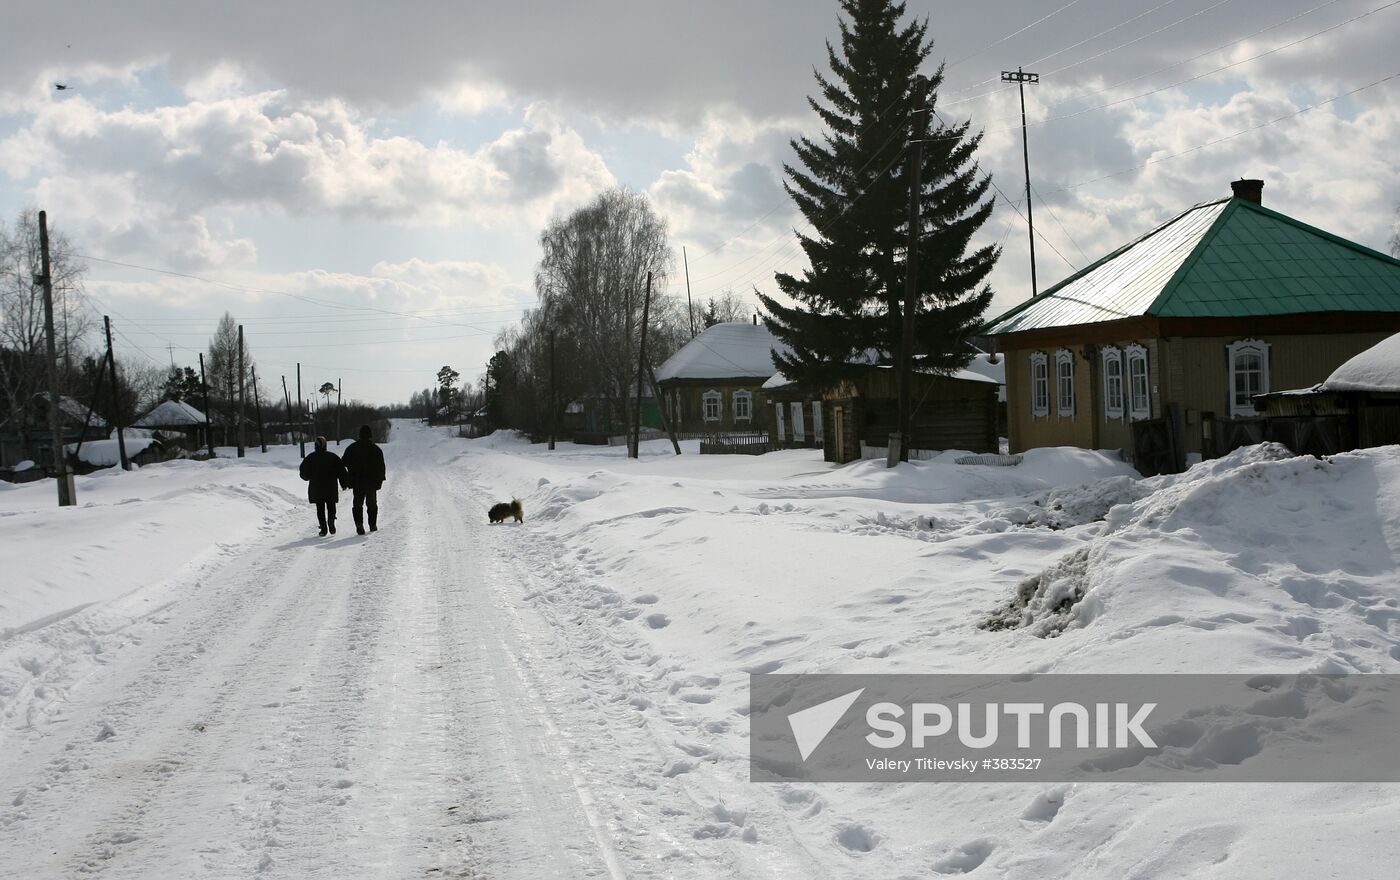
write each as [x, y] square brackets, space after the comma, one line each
[176, 421]
[714, 384]
[35, 443]
[1155, 348]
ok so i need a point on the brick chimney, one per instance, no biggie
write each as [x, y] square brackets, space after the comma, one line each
[1249, 190]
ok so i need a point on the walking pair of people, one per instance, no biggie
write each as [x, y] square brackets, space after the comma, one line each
[361, 471]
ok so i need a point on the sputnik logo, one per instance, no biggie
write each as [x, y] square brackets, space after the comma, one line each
[811, 725]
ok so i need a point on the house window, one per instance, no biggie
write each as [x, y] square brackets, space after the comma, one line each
[817, 432]
[778, 410]
[714, 406]
[676, 407]
[1139, 392]
[1112, 382]
[1064, 382]
[1040, 384]
[1249, 374]
[743, 406]
[798, 428]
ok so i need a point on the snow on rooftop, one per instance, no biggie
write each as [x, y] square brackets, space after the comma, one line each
[106, 453]
[736, 350]
[1375, 369]
[170, 414]
[777, 380]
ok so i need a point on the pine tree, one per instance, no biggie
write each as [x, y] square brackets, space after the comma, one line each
[852, 186]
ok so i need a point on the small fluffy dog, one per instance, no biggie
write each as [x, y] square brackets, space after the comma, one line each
[501, 512]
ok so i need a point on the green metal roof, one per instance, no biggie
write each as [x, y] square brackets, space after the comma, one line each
[1226, 259]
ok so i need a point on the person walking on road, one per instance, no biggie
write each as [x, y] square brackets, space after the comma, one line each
[324, 472]
[364, 465]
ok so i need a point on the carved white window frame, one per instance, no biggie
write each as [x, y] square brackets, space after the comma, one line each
[1040, 384]
[743, 406]
[1138, 382]
[1064, 383]
[1111, 358]
[712, 397]
[1239, 354]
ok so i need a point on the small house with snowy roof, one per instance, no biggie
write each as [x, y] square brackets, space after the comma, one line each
[1157, 346]
[714, 383]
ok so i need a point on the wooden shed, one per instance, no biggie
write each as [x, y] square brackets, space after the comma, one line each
[950, 412]
[1357, 406]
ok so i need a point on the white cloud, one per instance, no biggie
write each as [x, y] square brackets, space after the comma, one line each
[141, 175]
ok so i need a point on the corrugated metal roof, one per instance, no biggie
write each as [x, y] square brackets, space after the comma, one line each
[1230, 258]
[1122, 284]
[1261, 262]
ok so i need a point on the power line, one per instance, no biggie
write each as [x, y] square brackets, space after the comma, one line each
[995, 43]
[1044, 58]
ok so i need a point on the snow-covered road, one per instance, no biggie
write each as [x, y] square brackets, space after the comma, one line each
[193, 685]
[349, 707]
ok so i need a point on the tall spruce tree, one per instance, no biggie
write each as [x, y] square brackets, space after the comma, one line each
[852, 186]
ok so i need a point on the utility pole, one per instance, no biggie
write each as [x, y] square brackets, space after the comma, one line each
[67, 492]
[641, 365]
[661, 409]
[241, 387]
[918, 128]
[689, 306]
[116, 400]
[257, 407]
[337, 411]
[288, 398]
[208, 426]
[553, 395]
[1020, 77]
[301, 419]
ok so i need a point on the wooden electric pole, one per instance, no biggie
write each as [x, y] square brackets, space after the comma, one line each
[116, 399]
[689, 305]
[67, 493]
[661, 409]
[288, 398]
[257, 407]
[1020, 77]
[241, 386]
[338, 390]
[301, 419]
[641, 365]
[208, 425]
[553, 395]
[918, 126]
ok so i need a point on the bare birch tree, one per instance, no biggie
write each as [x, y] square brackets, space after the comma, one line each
[22, 344]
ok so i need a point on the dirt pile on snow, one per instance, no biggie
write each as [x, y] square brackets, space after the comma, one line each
[1259, 538]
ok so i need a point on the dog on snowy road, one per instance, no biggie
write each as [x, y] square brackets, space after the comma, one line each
[503, 511]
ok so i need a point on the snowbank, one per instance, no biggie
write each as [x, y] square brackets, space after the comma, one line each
[132, 529]
[706, 569]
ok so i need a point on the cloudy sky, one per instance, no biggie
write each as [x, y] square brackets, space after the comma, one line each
[363, 184]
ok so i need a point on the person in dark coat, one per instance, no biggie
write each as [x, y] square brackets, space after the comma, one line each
[323, 471]
[364, 467]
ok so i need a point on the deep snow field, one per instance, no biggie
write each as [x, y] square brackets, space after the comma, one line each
[654, 587]
[713, 567]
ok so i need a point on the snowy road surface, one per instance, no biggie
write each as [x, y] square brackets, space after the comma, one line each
[193, 685]
[348, 707]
